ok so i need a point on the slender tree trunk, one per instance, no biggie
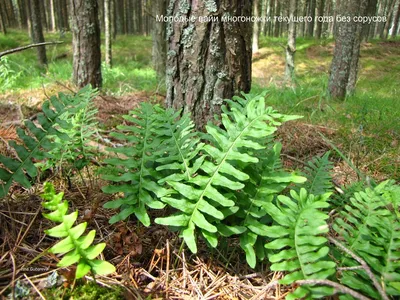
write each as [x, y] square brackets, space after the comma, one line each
[52, 16]
[43, 14]
[311, 13]
[370, 11]
[321, 6]
[277, 24]
[303, 13]
[22, 13]
[86, 43]
[291, 44]
[271, 14]
[107, 27]
[2, 23]
[101, 15]
[37, 31]
[343, 73]
[207, 61]
[389, 15]
[379, 27]
[159, 51]
[256, 25]
[396, 21]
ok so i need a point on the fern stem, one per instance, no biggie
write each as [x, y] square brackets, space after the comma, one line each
[364, 266]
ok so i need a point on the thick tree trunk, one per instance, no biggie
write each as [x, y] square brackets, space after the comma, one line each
[86, 43]
[159, 51]
[256, 25]
[396, 22]
[291, 45]
[37, 31]
[208, 61]
[343, 73]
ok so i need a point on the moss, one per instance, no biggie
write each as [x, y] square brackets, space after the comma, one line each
[211, 6]
[85, 292]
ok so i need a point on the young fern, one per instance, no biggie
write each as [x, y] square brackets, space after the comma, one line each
[300, 247]
[207, 197]
[319, 179]
[37, 142]
[370, 227]
[76, 247]
[136, 167]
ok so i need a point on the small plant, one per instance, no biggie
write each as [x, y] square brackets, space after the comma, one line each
[76, 247]
[8, 77]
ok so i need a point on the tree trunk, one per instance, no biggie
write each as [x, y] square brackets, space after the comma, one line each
[343, 72]
[22, 14]
[43, 14]
[379, 27]
[311, 13]
[208, 61]
[291, 44]
[37, 31]
[256, 25]
[303, 13]
[321, 6]
[389, 15]
[370, 11]
[277, 24]
[396, 22]
[107, 27]
[86, 43]
[159, 51]
[2, 22]
[52, 16]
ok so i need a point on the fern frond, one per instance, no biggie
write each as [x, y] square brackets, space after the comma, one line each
[136, 167]
[76, 247]
[370, 226]
[319, 179]
[37, 141]
[207, 197]
[299, 239]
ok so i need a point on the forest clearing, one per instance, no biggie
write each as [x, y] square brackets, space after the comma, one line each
[212, 170]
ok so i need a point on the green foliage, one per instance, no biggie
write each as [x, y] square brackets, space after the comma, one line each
[76, 150]
[8, 76]
[76, 247]
[370, 227]
[300, 247]
[317, 171]
[87, 291]
[38, 141]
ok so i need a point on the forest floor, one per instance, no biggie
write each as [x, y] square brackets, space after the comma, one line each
[365, 128]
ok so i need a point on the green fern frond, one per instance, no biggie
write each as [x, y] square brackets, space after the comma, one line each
[370, 227]
[76, 247]
[136, 175]
[318, 175]
[298, 237]
[207, 197]
[37, 140]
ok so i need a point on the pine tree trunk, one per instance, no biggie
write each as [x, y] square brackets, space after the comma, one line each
[37, 31]
[107, 27]
[43, 14]
[291, 45]
[23, 23]
[343, 72]
[159, 51]
[303, 13]
[2, 23]
[311, 13]
[321, 6]
[52, 16]
[277, 25]
[368, 28]
[256, 25]
[86, 43]
[207, 62]
[389, 15]
[396, 21]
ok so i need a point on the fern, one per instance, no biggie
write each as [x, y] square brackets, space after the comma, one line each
[135, 169]
[37, 142]
[317, 171]
[76, 247]
[370, 227]
[298, 238]
[207, 197]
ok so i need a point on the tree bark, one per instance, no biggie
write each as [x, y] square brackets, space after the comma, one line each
[37, 31]
[389, 15]
[277, 25]
[343, 72]
[321, 6]
[311, 13]
[396, 22]
[256, 25]
[208, 61]
[159, 51]
[107, 27]
[291, 44]
[86, 43]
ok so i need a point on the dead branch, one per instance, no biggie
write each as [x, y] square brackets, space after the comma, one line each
[363, 265]
[7, 52]
[337, 286]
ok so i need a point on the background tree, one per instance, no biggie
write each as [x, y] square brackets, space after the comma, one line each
[2, 22]
[207, 62]
[86, 43]
[107, 29]
[159, 50]
[256, 25]
[291, 44]
[396, 21]
[37, 31]
[344, 67]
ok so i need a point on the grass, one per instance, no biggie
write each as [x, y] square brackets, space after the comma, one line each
[132, 69]
[368, 123]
